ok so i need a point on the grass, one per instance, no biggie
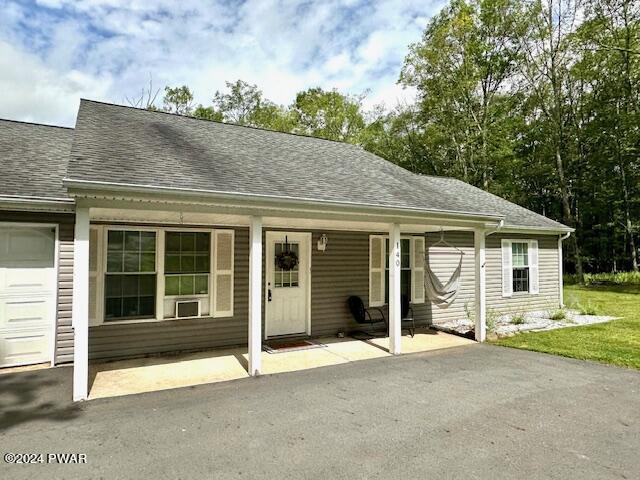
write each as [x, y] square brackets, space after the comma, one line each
[616, 342]
[559, 314]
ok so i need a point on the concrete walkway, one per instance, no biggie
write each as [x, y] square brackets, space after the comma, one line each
[474, 412]
[126, 377]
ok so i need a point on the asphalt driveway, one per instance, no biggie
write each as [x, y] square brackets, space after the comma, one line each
[479, 411]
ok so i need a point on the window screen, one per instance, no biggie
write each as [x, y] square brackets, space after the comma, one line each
[187, 263]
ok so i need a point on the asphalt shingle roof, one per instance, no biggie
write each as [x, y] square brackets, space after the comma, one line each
[33, 159]
[124, 145]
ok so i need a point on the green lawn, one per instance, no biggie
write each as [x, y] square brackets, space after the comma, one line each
[616, 342]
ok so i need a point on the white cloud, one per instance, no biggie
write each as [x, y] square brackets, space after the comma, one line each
[60, 50]
[34, 92]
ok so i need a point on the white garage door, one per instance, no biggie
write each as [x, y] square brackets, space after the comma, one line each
[27, 294]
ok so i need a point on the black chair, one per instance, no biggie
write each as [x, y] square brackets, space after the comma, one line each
[407, 315]
[361, 314]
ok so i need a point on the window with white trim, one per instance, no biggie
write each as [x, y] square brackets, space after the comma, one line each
[411, 269]
[130, 277]
[139, 273]
[520, 266]
[405, 268]
[187, 263]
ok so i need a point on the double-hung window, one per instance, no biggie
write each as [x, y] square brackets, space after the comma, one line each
[187, 263]
[130, 277]
[405, 268]
[411, 269]
[519, 267]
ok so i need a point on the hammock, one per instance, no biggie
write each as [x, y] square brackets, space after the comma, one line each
[442, 295]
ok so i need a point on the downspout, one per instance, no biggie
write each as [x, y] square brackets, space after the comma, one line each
[561, 238]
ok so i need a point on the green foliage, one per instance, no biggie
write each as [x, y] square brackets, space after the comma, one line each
[517, 319]
[178, 100]
[329, 114]
[605, 278]
[586, 308]
[207, 113]
[616, 342]
[559, 314]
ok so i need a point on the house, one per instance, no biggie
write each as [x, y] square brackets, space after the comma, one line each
[142, 232]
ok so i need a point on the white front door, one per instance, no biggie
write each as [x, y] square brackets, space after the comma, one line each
[287, 292]
[27, 294]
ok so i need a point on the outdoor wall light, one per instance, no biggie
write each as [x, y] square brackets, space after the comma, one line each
[322, 242]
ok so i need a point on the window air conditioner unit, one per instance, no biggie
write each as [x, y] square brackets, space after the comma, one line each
[187, 308]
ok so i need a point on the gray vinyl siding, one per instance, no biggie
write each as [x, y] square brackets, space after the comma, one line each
[336, 274]
[443, 262]
[65, 222]
[548, 296]
[138, 339]
[64, 330]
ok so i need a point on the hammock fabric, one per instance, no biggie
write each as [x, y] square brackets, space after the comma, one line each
[441, 295]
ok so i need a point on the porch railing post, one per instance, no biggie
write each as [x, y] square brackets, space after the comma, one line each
[255, 296]
[395, 313]
[480, 284]
[80, 308]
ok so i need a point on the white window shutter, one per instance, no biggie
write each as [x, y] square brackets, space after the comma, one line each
[417, 270]
[223, 273]
[533, 267]
[376, 270]
[95, 275]
[507, 271]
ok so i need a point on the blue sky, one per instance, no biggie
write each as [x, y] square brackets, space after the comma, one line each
[53, 52]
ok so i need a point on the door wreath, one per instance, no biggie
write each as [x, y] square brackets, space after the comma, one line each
[287, 259]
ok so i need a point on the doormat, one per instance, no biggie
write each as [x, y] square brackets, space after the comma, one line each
[291, 346]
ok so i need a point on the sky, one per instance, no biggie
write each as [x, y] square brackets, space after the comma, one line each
[54, 52]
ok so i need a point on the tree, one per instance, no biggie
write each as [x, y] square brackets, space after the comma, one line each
[207, 113]
[244, 104]
[544, 68]
[461, 69]
[329, 114]
[146, 99]
[178, 100]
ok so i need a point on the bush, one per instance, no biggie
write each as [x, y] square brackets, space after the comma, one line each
[558, 315]
[517, 319]
[587, 309]
[618, 278]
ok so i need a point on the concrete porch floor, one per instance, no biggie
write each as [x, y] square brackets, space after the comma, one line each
[125, 377]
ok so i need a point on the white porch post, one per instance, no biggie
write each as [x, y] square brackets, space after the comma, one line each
[80, 308]
[395, 320]
[255, 295]
[480, 294]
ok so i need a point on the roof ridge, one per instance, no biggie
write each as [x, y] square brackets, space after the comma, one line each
[303, 135]
[37, 124]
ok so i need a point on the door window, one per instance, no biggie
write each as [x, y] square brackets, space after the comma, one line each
[286, 278]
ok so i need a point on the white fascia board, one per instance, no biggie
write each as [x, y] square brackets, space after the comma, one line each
[91, 189]
[534, 230]
[37, 204]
